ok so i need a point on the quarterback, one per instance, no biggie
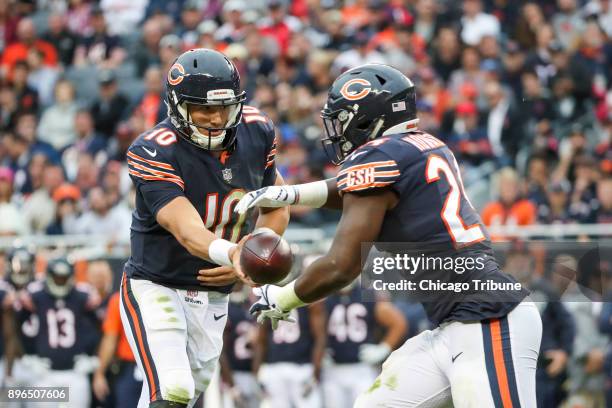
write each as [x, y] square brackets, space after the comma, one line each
[399, 184]
[190, 171]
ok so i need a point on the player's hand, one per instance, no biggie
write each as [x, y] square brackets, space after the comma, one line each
[558, 361]
[235, 257]
[272, 196]
[265, 307]
[219, 276]
[374, 353]
[100, 386]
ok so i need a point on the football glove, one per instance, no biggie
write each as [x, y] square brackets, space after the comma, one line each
[272, 196]
[265, 307]
[374, 353]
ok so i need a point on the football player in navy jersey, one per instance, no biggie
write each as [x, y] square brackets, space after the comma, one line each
[399, 184]
[20, 273]
[190, 171]
[288, 360]
[352, 324]
[237, 357]
[7, 340]
[63, 309]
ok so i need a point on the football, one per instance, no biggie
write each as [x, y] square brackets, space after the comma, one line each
[266, 257]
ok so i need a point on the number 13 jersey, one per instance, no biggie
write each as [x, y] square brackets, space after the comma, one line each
[163, 166]
[434, 213]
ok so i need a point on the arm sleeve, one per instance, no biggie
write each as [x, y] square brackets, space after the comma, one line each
[366, 170]
[156, 180]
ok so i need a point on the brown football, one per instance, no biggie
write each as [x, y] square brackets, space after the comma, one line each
[266, 257]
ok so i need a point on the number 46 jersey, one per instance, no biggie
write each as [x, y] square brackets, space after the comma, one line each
[163, 166]
[434, 214]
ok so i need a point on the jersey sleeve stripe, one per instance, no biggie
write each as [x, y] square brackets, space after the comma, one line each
[366, 186]
[368, 165]
[152, 171]
[162, 165]
[392, 173]
[148, 177]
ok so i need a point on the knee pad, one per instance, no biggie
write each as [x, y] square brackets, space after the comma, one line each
[177, 386]
[166, 404]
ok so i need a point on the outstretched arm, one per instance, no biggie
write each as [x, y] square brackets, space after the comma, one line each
[317, 194]
[362, 219]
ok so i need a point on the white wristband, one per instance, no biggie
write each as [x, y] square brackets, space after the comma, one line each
[218, 252]
[311, 194]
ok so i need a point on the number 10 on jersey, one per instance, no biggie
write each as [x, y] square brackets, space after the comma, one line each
[218, 216]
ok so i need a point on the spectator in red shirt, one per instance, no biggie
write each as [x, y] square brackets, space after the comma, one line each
[280, 25]
[149, 105]
[27, 39]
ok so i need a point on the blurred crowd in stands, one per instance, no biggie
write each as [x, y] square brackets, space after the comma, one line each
[520, 90]
[524, 87]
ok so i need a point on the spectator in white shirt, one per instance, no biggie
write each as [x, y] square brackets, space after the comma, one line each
[477, 24]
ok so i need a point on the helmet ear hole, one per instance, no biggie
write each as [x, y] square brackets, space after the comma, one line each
[381, 79]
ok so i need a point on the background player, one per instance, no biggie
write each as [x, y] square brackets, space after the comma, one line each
[21, 360]
[288, 360]
[189, 171]
[63, 310]
[398, 184]
[352, 326]
[237, 357]
[7, 340]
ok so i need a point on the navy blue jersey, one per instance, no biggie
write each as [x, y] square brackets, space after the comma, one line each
[5, 289]
[164, 166]
[432, 211]
[63, 325]
[291, 342]
[350, 323]
[240, 332]
[26, 321]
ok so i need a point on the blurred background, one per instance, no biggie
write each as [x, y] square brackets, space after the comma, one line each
[521, 91]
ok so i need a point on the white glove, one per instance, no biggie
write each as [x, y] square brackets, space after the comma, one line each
[272, 196]
[265, 307]
[374, 353]
[85, 364]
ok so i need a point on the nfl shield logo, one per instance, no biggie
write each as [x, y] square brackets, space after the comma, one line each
[227, 175]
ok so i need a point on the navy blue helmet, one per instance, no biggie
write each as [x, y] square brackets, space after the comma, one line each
[20, 266]
[204, 77]
[364, 103]
[60, 277]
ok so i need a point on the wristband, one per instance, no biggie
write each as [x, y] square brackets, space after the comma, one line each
[311, 194]
[286, 298]
[218, 252]
[263, 229]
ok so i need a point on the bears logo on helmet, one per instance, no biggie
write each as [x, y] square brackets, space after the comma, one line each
[173, 77]
[353, 95]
